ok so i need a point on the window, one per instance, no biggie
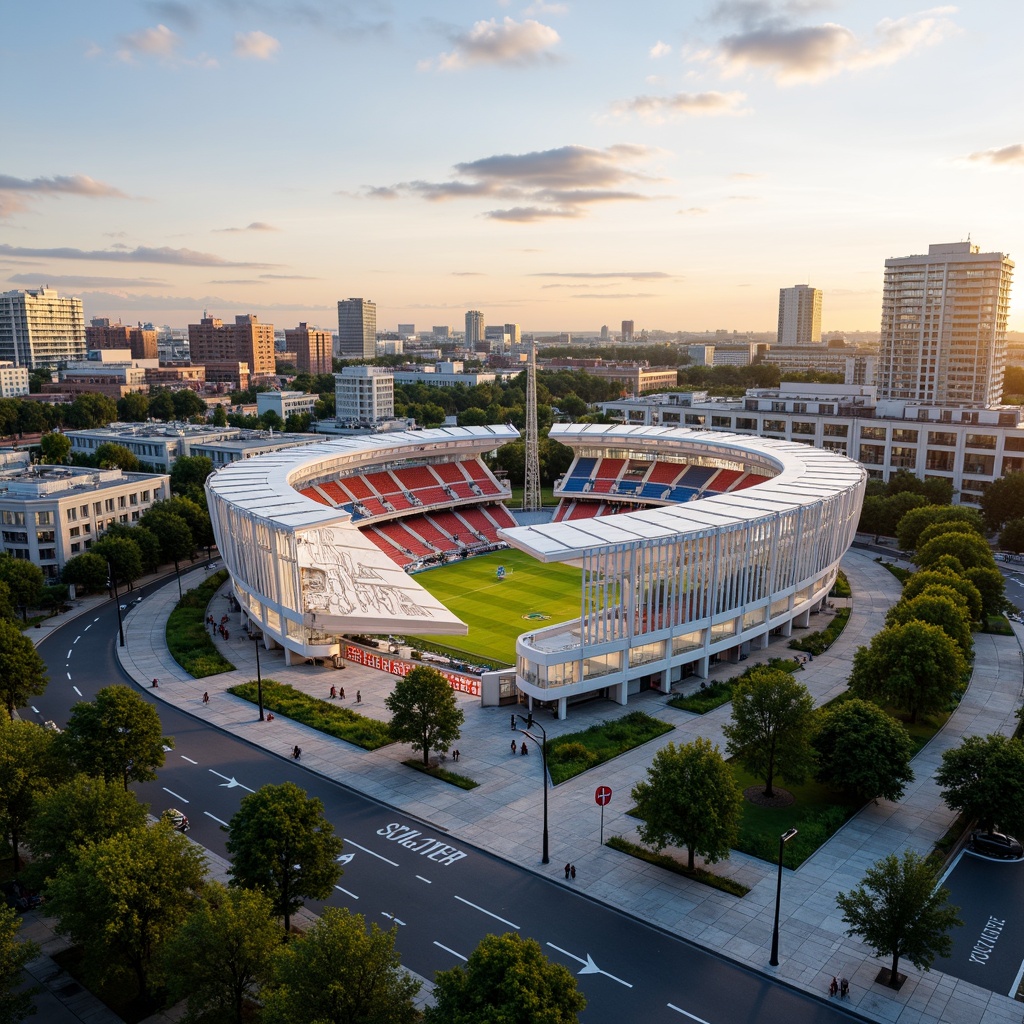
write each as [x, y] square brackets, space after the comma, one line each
[133, 499]
[745, 423]
[721, 421]
[802, 427]
[827, 410]
[980, 441]
[942, 437]
[903, 458]
[121, 502]
[75, 548]
[44, 519]
[872, 433]
[777, 426]
[835, 429]
[904, 436]
[74, 532]
[942, 461]
[97, 507]
[872, 454]
[71, 514]
[84, 510]
[108, 505]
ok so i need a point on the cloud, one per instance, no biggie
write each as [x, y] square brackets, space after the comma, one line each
[76, 281]
[660, 49]
[693, 211]
[124, 302]
[467, 273]
[682, 104]
[288, 277]
[17, 193]
[256, 225]
[257, 45]
[629, 275]
[177, 13]
[542, 185]
[141, 254]
[379, 192]
[803, 53]
[150, 42]
[1007, 156]
[619, 295]
[508, 43]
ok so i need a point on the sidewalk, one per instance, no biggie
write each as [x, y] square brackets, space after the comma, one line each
[503, 814]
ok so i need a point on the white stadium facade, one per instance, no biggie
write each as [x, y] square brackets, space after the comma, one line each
[694, 545]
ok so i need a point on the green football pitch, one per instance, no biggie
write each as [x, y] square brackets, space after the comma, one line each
[535, 594]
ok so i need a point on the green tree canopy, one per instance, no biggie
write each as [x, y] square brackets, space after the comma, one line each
[87, 571]
[971, 550]
[27, 768]
[341, 972]
[223, 953]
[133, 407]
[24, 579]
[926, 579]
[55, 448]
[900, 912]
[424, 711]
[911, 525]
[771, 726]
[161, 406]
[991, 585]
[90, 410]
[220, 416]
[881, 513]
[116, 456]
[981, 779]
[280, 841]
[123, 897]
[1011, 537]
[506, 978]
[690, 798]
[1003, 500]
[187, 404]
[173, 533]
[15, 956]
[863, 751]
[194, 514]
[190, 470]
[22, 671]
[947, 613]
[949, 526]
[116, 736]
[124, 557]
[77, 813]
[914, 666]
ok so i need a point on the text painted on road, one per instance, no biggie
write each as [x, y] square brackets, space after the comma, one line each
[432, 849]
[987, 940]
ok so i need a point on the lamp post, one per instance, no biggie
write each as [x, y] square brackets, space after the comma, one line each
[783, 839]
[530, 723]
[117, 604]
[257, 639]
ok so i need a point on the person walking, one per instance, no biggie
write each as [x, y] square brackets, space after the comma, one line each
[341, 693]
[568, 868]
[206, 696]
[524, 749]
[334, 692]
[455, 754]
[513, 722]
[296, 752]
[359, 697]
[833, 988]
[844, 989]
[513, 746]
[572, 872]
[154, 684]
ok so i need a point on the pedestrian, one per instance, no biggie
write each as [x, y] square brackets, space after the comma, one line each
[524, 749]
[513, 746]
[334, 692]
[227, 634]
[572, 872]
[455, 754]
[567, 869]
[359, 697]
[341, 693]
[844, 989]
[206, 697]
[296, 752]
[513, 723]
[833, 988]
[270, 717]
[154, 684]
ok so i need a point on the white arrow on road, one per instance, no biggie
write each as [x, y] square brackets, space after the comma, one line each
[345, 858]
[589, 967]
[391, 917]
[231, 782]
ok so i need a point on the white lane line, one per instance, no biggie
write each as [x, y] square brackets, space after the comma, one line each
[87, 628]
[35, 710]
[346, 892]
[77, 690]
[175, 795]
[68, 658]
[427, 880]
[189, 759]
[573, 956]
[97, 619]
[231, 782]
[489, 914]
[219, 822]
[77, 638]
[452, 951]
[1016, 982]
[69, 676]
[589, 967]
[700, 1020]
[391, 917]
[349, 842]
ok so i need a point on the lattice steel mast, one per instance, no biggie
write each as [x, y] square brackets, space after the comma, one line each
[531, 487]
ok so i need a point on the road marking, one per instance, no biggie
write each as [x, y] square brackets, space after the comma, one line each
[1016, 982]
[175, 795]
[189, 759]
[488, 913]
[452, 951]
[77, 638]
[69, 676]
[35, 710]
[589, 967]
[219, 822]
[231, 782]
[77, 690]
[97, 619]
[349, 842]
[87, 628]
[391, 917]
[346, 892]
[427, 880]
[700, 1020]
[949, 870]
[69, 655]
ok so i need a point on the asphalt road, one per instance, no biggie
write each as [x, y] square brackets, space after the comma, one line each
[443, 895]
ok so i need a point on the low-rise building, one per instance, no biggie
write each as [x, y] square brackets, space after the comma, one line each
[442, 375]
[285, 403]
[364, 396]
[13, 380]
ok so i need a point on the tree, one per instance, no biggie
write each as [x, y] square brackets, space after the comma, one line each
[116, 736]
[90, 410]
[223, 953]
[948, 526]
[690, 798]
[220, 416]
[55, 448]
[340, 972]
[863, 751]
[123, 897]
[1003, 500]
[1011, 537]
[991, 585]
[927, 579]
[143, 539]
[424, 711]
[15, 956]
[22, 671]
[26, 767]
[79, 812]
[124, 557]
[187, 404]
[506, 978]
[911, 525]
[161, 406]
[914, 666]
[280, 841]
[898, 911]
[945, 612]
[191, 470]
[87, 571]
[770, 731]
[981, 779]
[133, 408]
[195, 515]
[116, 456]
[970, 550]
[24, 579]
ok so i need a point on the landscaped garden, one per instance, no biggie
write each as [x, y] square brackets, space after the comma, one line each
[188, 639]
[576, 752]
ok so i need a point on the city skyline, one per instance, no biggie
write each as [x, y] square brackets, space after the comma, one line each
[549, 164]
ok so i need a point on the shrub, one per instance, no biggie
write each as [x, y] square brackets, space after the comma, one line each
[820, 642]
[602, 742]
[188, 639]
[663, 860]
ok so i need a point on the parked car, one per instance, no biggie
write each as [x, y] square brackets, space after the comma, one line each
[996, 844]
[177, 818]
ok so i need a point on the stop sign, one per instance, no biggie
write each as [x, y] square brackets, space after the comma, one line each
[603, 795]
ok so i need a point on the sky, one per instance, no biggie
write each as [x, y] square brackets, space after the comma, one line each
[561, 165]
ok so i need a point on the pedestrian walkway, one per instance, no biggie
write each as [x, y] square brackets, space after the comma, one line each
[503, 814]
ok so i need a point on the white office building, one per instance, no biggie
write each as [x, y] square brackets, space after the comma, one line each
[799, 315]
[285, 403]
[40, 328]
[13, 380]
[364, 396]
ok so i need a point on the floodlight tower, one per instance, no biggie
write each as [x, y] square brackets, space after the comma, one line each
[531, 487]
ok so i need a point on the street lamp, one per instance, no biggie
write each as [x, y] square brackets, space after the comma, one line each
[783, 839]
[257, 638]
[530, 723]
[117, 603]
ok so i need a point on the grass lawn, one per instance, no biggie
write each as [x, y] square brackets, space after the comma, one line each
[497, 611]
[188, 639]
[575, 752]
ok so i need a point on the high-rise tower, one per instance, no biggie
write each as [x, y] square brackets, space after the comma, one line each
[943, 339]
[531, 485]
[799, 315]
[475, 328]
[357, 329]
[40, 328]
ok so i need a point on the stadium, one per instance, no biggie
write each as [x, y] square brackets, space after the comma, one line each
[680, 547]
